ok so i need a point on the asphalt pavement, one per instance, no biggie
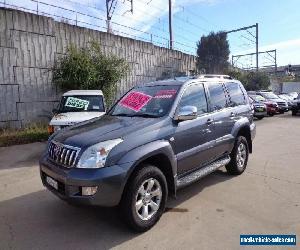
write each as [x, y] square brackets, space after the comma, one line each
[209, 214]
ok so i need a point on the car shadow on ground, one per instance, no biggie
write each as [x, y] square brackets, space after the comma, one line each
[195, 188]
[40, 220]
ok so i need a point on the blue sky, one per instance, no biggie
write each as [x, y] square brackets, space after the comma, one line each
[278, 22]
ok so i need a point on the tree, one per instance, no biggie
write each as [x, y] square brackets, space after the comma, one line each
[251, 80]
[89, 68]
[257, 81]
[213, 53]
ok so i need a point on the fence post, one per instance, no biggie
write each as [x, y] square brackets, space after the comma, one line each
[37, 7]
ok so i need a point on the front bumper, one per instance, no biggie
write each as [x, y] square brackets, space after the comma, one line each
[260, 113]
[109, 180]
[272, 110]
[283, 108]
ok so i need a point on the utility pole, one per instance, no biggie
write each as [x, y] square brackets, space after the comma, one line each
[256, 26]
[108, 16]
[170, 24]
[110, 8]
[275, 62]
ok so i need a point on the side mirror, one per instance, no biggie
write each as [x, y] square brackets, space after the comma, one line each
[187, 113]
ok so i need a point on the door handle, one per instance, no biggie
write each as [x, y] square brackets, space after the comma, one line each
[209, 121]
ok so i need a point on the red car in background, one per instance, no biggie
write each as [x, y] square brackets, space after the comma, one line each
[272, 107]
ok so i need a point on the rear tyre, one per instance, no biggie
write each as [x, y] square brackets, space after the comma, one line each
[281, 112]
[144, 199]
[239, 157]
[271, 114]
[260, 117]
[294, 112]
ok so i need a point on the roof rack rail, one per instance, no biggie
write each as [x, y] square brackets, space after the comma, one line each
[203, 76]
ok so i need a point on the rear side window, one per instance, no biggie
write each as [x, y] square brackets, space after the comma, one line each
[217, 96]
[236, 94]
[194, 95]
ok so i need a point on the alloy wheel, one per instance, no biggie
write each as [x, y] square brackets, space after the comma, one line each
[148, 199]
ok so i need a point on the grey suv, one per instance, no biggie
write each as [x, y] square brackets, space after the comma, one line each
[158, 138]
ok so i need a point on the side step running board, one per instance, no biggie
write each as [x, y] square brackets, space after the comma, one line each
[198, 174]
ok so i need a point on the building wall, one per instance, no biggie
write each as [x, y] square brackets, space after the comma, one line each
[288, 87]
[29, 45]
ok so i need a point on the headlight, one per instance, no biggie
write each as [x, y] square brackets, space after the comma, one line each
[96, 155]
[56, 128]
[52, 129]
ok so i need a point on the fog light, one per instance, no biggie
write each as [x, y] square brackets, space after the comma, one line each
[86, 191]
[50, 129]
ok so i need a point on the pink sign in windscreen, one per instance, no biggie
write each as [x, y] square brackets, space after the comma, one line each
[135, 101]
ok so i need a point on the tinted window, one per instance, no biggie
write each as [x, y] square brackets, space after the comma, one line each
[194, 95]
[217, 96]
[236, 95]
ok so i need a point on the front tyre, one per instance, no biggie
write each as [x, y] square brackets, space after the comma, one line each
[144, 198]
[239, 156]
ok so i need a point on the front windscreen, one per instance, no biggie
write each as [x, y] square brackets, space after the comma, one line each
[146, 101]
[257, 98]
[270, 95]
[80, 103]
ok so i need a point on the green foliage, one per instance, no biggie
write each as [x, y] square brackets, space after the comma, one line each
[213, 53]
[32, 133]
[89, 68]
[251, 80]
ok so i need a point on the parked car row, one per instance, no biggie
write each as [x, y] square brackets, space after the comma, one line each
[268, 103]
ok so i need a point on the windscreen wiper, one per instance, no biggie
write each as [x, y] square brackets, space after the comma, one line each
[147, 115]
[137, 115]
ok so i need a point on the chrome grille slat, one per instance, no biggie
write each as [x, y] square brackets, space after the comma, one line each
[71, 158]
[67, 157]
[61, 154]
[63, 151]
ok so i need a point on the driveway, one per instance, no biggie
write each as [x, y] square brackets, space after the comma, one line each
[210, 214]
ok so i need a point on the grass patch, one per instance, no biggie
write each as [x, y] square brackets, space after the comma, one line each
[33, 133]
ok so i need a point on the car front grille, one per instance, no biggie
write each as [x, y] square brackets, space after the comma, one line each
[61, 154]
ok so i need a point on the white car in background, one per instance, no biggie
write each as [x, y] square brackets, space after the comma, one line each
[77, 106]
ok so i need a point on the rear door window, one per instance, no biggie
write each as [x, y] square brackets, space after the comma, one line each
[236, 94]
[217, 96]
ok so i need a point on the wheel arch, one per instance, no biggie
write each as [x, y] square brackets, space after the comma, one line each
[246, 132]
[242, 128]
[158, 154]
